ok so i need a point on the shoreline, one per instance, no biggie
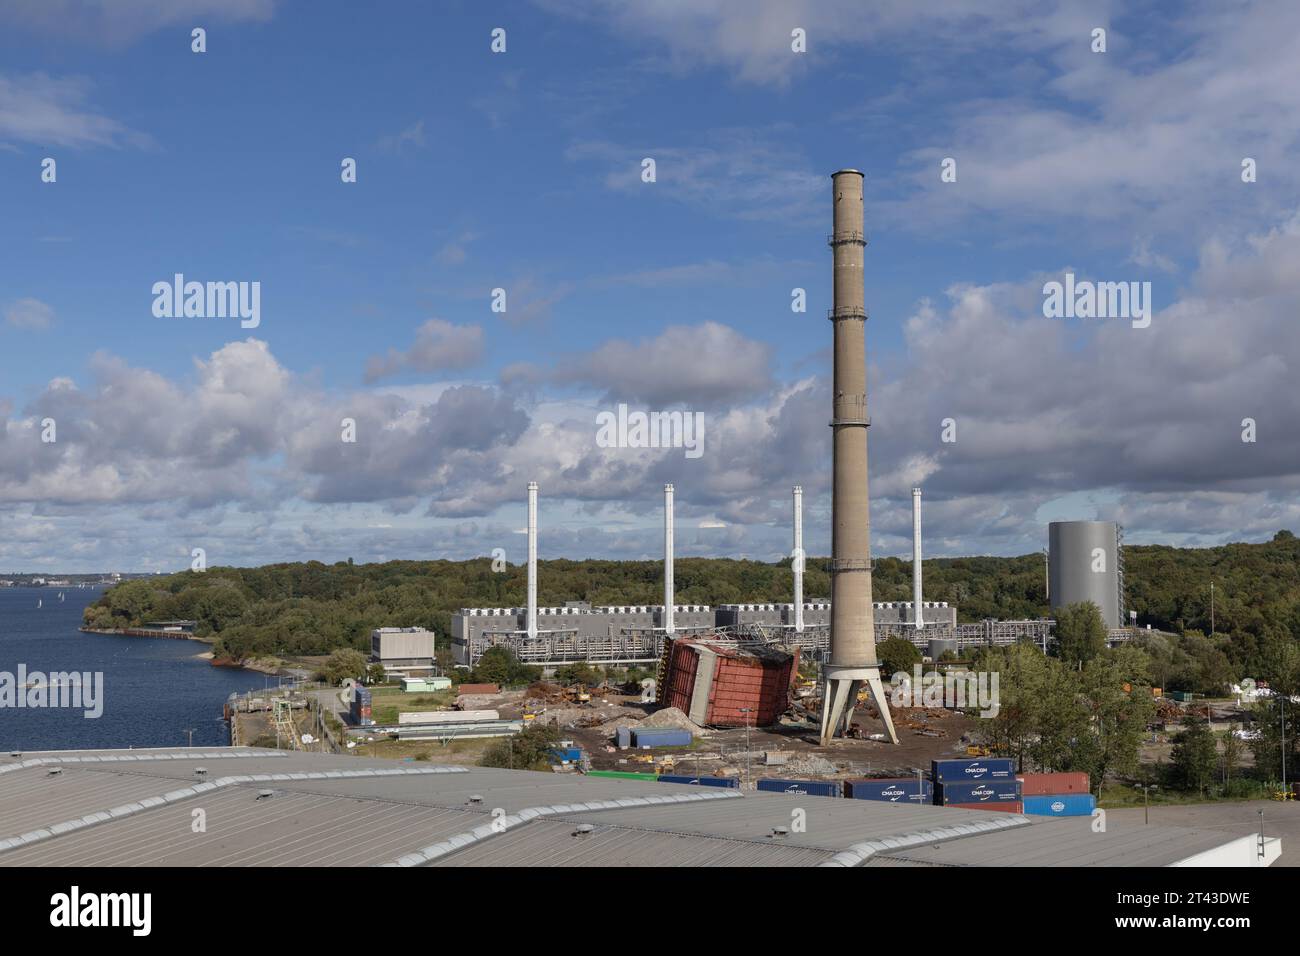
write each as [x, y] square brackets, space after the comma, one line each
[272, 666]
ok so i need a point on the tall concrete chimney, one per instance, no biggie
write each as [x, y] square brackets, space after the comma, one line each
[853, 640]
[668, 561]
[532, 559]
[797, 559]
[917, 617]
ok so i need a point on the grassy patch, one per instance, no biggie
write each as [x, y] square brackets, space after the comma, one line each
[1117, 795]
[387, 702]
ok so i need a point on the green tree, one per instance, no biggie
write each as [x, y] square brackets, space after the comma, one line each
[1080, 632]
[1023, 677]
[1268, 746]
[897, 654]
[1194, 757]
[526, 750]
[1117, 721]
[342, 664]
[498, 665]
[580, 673]
[1231, 755]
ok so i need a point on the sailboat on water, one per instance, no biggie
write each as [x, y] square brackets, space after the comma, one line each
[39, 603]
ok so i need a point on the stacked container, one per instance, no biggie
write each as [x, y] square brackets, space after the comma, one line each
[894, 790]
[816, 788]
[361, 705]
[1057, 794]
[987, 783]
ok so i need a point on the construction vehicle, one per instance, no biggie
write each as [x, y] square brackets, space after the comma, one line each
[979, 750]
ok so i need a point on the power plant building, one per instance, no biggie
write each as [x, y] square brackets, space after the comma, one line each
[1085, 562]
[398, 648]
[577, 631]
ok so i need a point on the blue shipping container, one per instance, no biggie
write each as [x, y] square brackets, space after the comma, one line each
[816, 788]
[623, 737]
[728, 782]
[891, 791]
[1062, 805]
[985, 768]
[983, 791]
[660, 737]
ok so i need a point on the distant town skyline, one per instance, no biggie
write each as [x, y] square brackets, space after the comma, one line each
[507, 284]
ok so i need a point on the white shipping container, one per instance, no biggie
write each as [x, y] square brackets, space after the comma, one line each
[446, 716]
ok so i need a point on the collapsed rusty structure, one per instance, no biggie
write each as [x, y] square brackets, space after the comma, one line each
[722, 683]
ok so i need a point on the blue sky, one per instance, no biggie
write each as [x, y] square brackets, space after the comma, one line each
[521, 171]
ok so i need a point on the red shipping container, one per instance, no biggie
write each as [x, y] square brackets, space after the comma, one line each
[747, 685]
[1016, 807]
[1050, 784]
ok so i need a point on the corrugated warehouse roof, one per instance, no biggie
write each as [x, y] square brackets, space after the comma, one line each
[558, 843]
[269, 808]
[1070, 842]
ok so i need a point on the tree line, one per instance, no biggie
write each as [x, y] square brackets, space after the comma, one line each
[313, 608]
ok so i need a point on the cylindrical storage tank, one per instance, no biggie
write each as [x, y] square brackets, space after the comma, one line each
[1083, 565]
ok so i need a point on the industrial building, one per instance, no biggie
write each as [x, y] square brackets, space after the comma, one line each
[281, 808]
[401, 649]
[617, 634]
[635, 634]
[1085, 562]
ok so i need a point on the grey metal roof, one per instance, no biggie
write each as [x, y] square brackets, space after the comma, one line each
[287, 829]
[31, 798]
[1071, 842]
[829, 823]
[554, 843]
[137, 807]
[510, 790]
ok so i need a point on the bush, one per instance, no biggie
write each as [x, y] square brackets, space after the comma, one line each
[526, 750]
[342, 664]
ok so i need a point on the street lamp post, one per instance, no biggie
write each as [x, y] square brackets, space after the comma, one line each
[746, 711]
[1146, 802]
